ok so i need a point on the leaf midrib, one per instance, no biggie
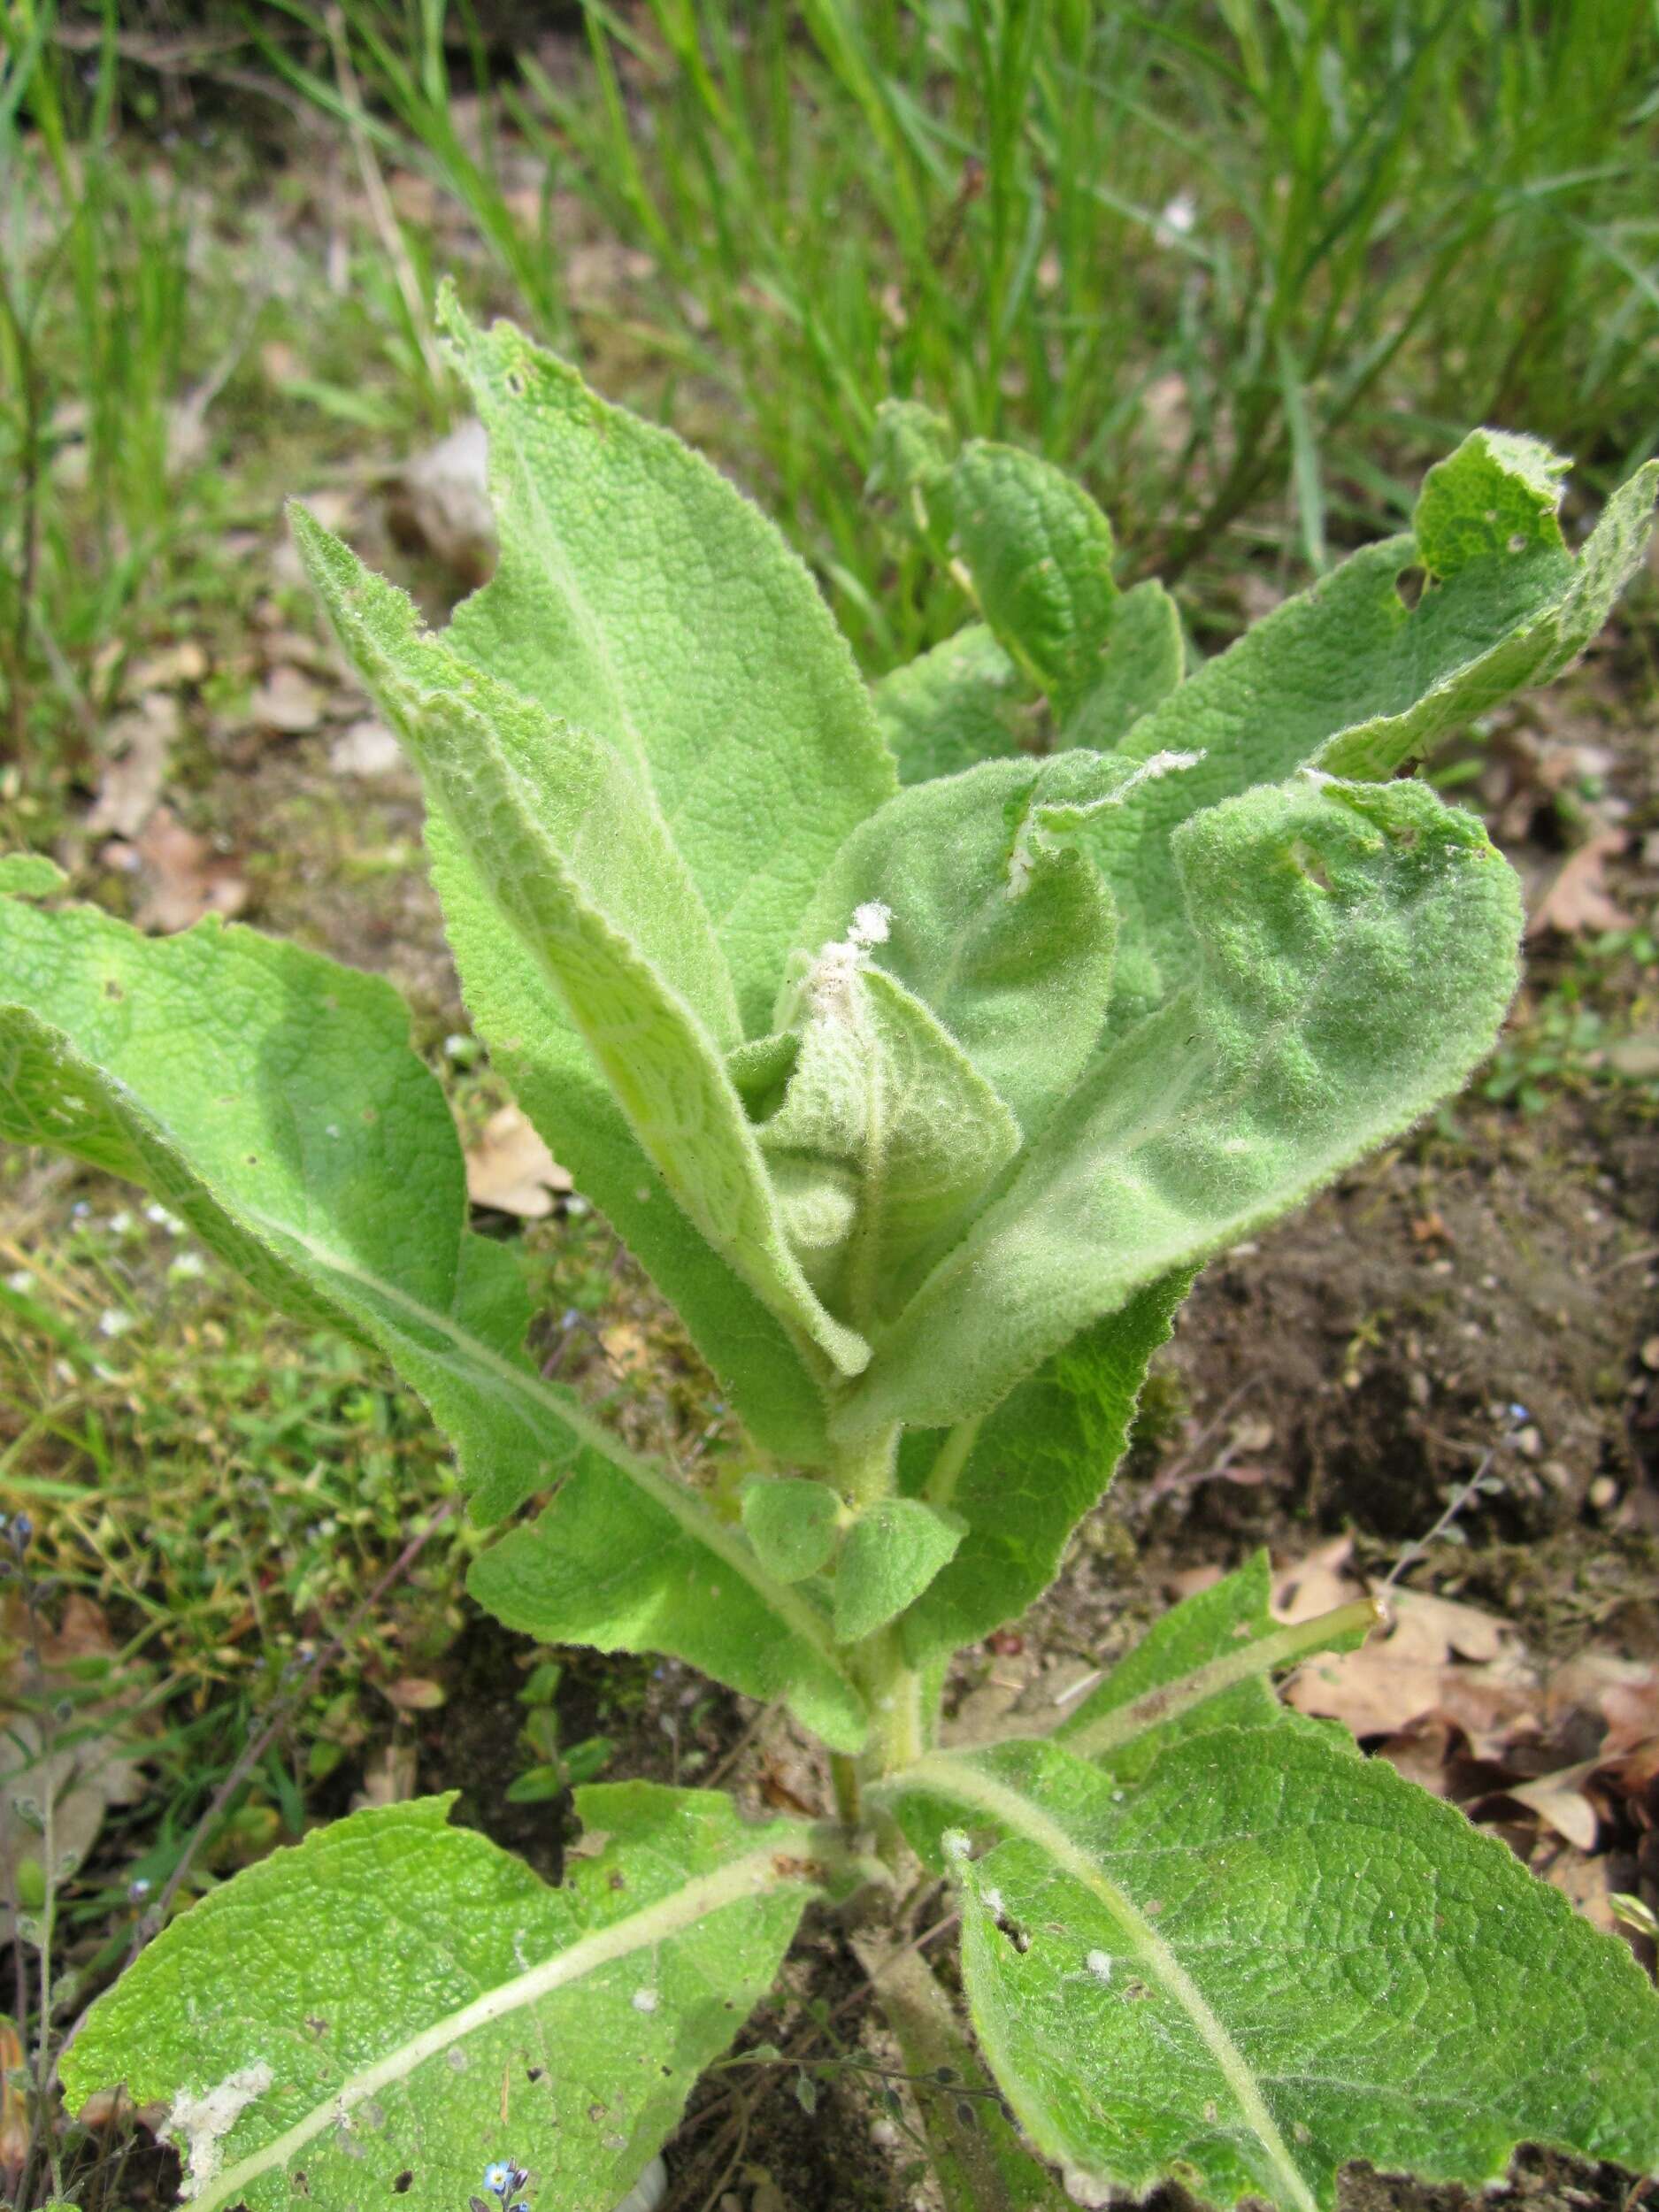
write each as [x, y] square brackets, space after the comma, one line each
[969, 1784]
[747, 1877]
[685, 1510]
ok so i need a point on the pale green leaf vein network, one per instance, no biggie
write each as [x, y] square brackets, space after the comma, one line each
[969, 1784]
[684, 1909]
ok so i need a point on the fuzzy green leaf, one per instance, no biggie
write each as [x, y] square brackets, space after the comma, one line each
[1039, 553]
[1024, 1476]
[891, 1554]
[563, 832]
[1360, 946]
[551, 1073]
[952, 708]
[912, 450]
[270, 1098]
[29, 876]
[1347, 679]
[1273, 1957]
[399, 1997]
[641, 597]
[995, 921]
[1145, 659]
[602, 1565]
[794, 1525]
[1208, 1663]
[881, 1093]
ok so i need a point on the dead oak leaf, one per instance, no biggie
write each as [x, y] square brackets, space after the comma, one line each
[287, 702]
[184, 878]
[1577, 901]
[510, 1169]
[1435, 1658]
[139, 742]
[67, 1739]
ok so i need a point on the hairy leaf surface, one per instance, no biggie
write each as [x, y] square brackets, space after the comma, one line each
[552, 1075]
[881, 1093]
[1270, 1958]
[892, 1553]
[952, 708]
[396, 1997]
[567, 841]
[1039, 552]
[642, 598]
[1023, 1477]
[270, 1098]
[995, 921]
[1359, 944]
[1145, 659]
[794, 1525]
[1349, 679]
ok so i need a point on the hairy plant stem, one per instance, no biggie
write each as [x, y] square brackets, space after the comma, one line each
[892, 1689]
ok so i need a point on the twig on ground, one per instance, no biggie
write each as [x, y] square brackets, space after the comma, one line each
[1479, 1484]
[1181, 1473]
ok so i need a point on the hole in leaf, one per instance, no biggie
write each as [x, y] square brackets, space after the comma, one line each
[1518, 542]
[1411, 584]
[517, 383]
[1310, 864]
[404, 2183]
[112, 988]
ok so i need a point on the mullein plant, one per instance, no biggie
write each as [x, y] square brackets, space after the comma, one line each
[921, 1042]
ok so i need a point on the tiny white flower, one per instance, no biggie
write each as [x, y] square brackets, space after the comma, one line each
[1178, 217]
[120, 1223]
[22, 1282]
[113, 1322]
[188, 1265]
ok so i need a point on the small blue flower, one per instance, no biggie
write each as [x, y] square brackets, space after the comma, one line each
[498, 2179]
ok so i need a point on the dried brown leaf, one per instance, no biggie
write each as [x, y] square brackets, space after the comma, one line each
[185, 877]
[140, 742]
[1577, 900]
[287, 702]
[79, 1765]
[511, 1170]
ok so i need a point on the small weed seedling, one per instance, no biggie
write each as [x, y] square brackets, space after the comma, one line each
[921, 1044]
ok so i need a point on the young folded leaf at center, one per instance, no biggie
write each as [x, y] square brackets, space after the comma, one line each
[886, 1133]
